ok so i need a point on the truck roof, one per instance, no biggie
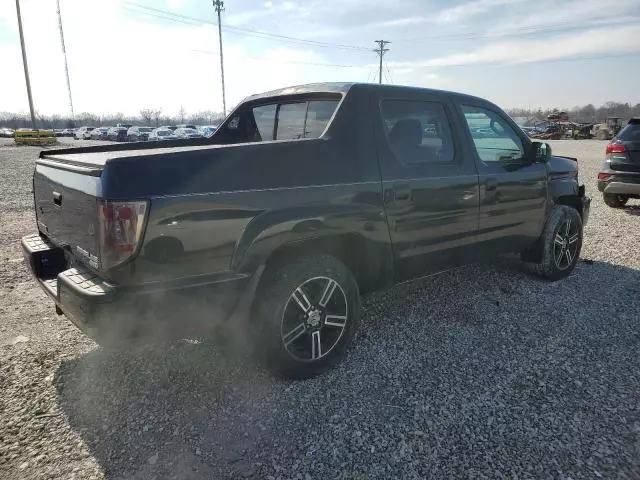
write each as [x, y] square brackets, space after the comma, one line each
[344, 87]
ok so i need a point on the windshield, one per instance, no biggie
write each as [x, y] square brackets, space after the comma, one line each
[164, 133]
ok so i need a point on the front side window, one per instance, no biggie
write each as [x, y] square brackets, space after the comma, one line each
[417, 132]
[493, 137]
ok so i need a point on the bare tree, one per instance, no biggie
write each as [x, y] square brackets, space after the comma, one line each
[181, 113]
[147, 115]
[156, 116]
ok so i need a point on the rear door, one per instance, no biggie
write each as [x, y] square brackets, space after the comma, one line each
[430, 188]
[629, 137]
[513, 191]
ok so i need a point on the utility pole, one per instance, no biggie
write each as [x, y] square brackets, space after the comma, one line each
[26, 67]
[219, 7]
[381, 51]
[64, 53]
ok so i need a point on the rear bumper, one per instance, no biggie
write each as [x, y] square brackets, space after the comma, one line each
[619, 182]
[119, 315]
[621, 188]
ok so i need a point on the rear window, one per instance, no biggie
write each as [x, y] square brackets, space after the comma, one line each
[630, 133]
[295, 120]
[285, 120]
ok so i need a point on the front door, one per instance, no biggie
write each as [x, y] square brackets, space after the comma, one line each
[431, 192]
[513, 189]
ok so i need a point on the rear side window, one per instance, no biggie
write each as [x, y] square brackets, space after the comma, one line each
[417, 132]
[630, 133]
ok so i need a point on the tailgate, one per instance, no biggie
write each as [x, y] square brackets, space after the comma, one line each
[66, 207]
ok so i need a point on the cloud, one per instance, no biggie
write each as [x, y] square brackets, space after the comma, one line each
[570, 14]
[462, 12]
[591, 42]
[119, 63]
[395, 22]
[175, 4]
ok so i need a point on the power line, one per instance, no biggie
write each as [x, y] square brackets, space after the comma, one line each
[381, 51]
[177, 17]
[548, 60]
[533, 30]
[280, 60]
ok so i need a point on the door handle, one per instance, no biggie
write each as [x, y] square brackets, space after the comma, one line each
[490, 184]
[401, 192]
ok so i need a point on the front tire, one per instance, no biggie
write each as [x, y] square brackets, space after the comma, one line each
[307, 312]
[561, 243]
[614, 200]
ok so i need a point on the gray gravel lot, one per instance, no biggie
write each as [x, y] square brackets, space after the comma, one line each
[482, 372]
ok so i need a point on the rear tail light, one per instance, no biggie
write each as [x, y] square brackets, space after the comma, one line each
[615, 148]
[604, 176]
[121, 226]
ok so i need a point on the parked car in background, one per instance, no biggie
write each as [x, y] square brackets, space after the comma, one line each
[58, 132]
[83, 133]
[619, 179]
[6, 132]
[124, 125]
[187, 133]
[208, 130]
[99, 133]
[117, 134]
[162, 133]
[68, 132]
[138, 134]
[186, 125]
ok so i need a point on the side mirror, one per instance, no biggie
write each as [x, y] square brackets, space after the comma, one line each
[540, 152]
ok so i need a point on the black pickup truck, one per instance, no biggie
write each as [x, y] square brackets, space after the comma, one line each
[302, 200]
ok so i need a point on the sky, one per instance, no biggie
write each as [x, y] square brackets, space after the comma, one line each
[127, 55]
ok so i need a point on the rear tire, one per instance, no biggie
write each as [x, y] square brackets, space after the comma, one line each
[561, 243]
[307, 312]
[615, 200]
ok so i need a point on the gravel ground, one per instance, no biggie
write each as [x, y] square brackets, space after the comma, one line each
[482, 372]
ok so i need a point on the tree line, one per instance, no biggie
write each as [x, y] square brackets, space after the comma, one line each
[154, 117]
[585, 114]
[146, 117]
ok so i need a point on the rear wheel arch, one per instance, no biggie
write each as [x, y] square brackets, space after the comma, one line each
[365, 260]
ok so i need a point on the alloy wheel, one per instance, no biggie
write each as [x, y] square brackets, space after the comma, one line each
[314, 319]
[565, 245]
